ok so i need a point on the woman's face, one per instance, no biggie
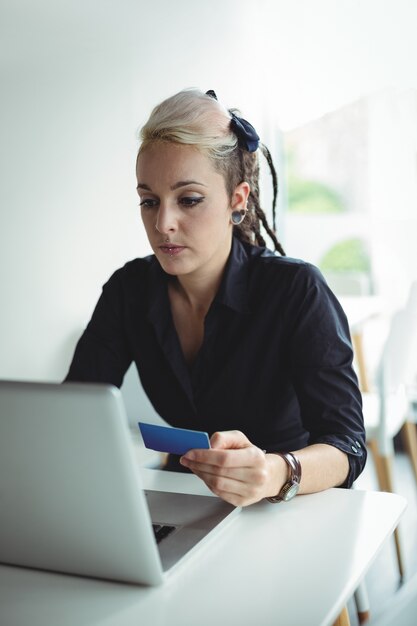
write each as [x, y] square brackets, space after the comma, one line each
[185, 209]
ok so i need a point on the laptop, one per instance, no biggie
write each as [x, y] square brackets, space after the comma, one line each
[71, 496]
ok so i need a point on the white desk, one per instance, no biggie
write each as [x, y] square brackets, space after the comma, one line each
[289, 564]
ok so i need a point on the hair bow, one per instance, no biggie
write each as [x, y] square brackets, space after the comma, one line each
[247, 136]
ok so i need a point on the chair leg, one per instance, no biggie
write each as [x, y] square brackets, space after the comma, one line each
[362, 603]
[343, 618]
[383, 465]
[357, 341]
[409, 437]
[379, 466]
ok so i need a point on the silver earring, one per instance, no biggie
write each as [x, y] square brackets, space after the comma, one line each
[237, 217]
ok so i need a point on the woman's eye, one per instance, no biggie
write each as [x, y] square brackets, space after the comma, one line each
[191, 200]
[148, 203]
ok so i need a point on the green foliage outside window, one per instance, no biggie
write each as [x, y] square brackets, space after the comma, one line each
[350, 255]
[310, 196]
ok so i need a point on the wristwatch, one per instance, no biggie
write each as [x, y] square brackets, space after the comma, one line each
[291, 487]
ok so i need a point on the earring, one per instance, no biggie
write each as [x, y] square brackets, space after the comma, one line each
[237, 217]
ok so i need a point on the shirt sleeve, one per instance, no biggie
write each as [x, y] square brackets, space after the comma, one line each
[102, 354]
[321, 365]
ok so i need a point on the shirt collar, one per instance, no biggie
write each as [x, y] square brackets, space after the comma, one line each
[233, 290]
[158, 308]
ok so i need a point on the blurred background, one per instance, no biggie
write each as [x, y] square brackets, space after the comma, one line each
[330, 86]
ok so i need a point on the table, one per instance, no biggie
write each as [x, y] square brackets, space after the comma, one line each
[290, 564]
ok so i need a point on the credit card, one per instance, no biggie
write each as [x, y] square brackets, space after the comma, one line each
[172, 440]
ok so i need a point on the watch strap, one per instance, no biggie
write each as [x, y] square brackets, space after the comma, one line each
[291, 486]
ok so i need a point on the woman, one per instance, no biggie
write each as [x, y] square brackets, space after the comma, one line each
[227, 336]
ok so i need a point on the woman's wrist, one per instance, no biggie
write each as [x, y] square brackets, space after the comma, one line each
[277, 470]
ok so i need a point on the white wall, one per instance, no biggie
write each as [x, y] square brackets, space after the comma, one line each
[79, 77]
[67, 205]
[393, 192]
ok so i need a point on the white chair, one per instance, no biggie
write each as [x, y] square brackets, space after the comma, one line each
[137, 404]
[402, 609]
[411, 389]
[386, 410]
[409, 427]
[139, 408]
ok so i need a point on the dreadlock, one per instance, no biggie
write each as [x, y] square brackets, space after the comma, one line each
[250, 229]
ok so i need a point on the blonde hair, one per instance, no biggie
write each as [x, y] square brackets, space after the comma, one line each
[193, 118]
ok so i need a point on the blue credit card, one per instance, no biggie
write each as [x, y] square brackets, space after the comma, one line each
[172, 440]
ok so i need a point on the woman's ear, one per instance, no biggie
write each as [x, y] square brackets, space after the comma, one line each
[240, 196]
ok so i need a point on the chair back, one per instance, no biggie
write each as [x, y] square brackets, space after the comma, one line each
[392, 380]
[411, 308]
[394, 367]
[137, 404]
[398, 363]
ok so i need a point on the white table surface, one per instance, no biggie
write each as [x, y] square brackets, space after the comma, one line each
[286, 564]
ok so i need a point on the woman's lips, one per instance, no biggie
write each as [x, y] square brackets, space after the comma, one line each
[171, 249]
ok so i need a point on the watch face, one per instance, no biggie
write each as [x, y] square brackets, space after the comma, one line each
[291, 491]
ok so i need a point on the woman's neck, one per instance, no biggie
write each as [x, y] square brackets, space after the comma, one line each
[197, 291]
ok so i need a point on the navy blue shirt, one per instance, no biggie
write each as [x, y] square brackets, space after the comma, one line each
[275, 363]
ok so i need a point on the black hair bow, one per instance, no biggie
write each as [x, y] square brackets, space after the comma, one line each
[247, 136]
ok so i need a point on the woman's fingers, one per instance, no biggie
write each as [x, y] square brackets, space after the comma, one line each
[237, 474]
[229, 439]
[231, 457]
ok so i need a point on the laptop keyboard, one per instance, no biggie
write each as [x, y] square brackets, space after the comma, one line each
[161, 531]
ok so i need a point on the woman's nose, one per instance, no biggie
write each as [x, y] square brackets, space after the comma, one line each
[166, 219]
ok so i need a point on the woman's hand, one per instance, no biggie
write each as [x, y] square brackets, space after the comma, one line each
[236, 470]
